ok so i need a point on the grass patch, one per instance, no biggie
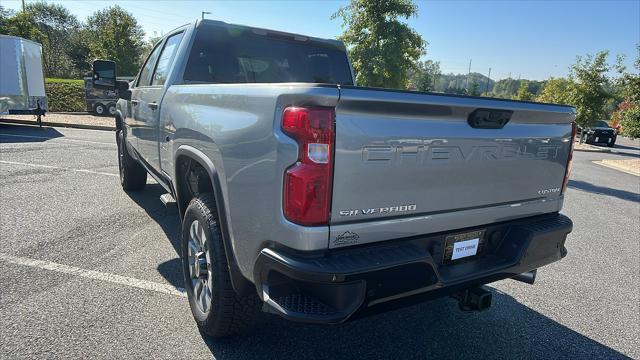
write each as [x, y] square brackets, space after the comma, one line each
[67, 81]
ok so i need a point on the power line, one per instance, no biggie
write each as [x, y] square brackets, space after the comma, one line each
[488, 80]
[468, 73]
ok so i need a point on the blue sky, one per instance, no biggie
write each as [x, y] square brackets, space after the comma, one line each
[531, 39]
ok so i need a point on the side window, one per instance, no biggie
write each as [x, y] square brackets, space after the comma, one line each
[147, 69]
[166, 58]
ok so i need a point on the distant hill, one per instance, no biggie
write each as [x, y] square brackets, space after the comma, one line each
[457, 83]
[505, 88]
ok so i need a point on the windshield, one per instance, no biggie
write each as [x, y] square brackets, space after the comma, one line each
[601, 123]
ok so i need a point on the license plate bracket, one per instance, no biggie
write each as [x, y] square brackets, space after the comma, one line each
[463, 246]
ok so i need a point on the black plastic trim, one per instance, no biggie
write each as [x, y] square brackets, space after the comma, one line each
[240, 284]
[524, 245]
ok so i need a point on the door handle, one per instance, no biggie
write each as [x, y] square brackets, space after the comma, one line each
[153, 105]
[135, 102]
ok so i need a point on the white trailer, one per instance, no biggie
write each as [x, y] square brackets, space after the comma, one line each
[21, 77]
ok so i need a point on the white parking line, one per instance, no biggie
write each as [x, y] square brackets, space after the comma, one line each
[59, 139]
[58, 168]
[95, 275]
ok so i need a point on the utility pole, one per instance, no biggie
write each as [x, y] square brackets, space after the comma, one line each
[488, 80]
[22, 5]
[469, 73]
[203, 13]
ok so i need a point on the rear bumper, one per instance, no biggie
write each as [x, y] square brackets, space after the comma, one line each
[336, 285]
[601, 138]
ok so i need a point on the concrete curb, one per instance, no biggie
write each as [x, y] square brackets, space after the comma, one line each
[70, 113]
[590, 148]
[57, 124]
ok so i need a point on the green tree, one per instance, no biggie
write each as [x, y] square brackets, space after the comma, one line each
[523, 92]
[148, 45]
[474, 89]
[556, 91]
[424, 75]
[57, 25]
[381, 47]
[114, 34]
[506, 88]
[79, 51]
[21, 24]
[588, 90]
[628, 83]
[628, 112]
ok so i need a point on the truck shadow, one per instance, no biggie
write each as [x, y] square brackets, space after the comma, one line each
[601, 190]
[169, 221]
[26, 134]
[436, 329]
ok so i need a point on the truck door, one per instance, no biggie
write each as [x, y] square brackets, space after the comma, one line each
[149, 98]
[135, 111]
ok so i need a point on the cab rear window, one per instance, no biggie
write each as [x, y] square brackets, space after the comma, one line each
[230, 55]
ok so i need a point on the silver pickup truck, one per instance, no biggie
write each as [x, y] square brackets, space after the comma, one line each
[306, 196]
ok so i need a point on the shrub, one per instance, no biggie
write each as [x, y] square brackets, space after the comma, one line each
[65, 95]
[628, 116]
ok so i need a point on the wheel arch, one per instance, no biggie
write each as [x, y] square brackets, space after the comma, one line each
[185, 154]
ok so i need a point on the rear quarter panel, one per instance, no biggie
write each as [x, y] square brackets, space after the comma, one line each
[238, 127]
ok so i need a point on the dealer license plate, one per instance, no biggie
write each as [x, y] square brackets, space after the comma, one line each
[460, 246]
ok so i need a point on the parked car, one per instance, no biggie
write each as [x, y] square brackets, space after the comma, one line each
[600, 133]
[22, 80]
[308, 197]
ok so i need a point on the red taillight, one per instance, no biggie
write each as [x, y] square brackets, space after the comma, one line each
[307, 184]
[567, 171]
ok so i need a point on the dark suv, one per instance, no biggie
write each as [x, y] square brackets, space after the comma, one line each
[600, 133]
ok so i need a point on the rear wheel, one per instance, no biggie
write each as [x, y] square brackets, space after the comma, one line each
[99, 109]
[217, 309]
[111, 109]
[133, 175]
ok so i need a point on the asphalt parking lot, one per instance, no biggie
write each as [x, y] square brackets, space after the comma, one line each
[87, 270]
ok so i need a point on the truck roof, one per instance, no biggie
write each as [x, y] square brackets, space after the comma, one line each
[277, 33]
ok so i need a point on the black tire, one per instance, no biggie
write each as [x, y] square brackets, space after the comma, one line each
[111, 109]
[133, 175]
[99, 109]
[228, 313]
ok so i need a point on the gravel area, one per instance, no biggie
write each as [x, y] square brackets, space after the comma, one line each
[66, 118]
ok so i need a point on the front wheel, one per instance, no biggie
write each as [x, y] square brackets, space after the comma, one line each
[217, 309]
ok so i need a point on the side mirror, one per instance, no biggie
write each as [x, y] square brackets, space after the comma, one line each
[104, 74]
[123, 89]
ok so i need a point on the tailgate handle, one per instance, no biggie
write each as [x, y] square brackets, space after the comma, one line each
[489, 118]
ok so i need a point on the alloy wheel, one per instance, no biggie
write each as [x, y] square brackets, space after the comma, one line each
[200, 266]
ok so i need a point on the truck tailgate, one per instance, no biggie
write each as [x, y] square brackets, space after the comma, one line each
[405, 156]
